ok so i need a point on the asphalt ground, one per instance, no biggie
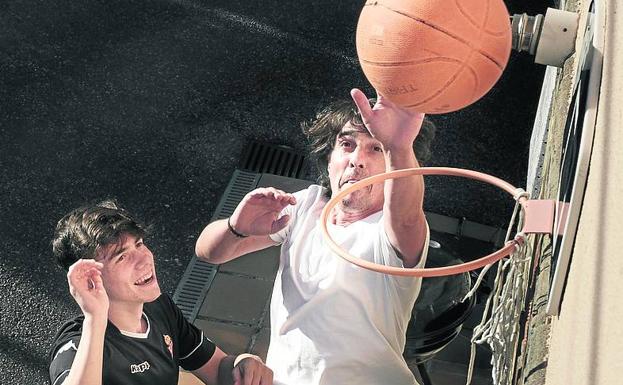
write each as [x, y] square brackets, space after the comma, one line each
[153, 102]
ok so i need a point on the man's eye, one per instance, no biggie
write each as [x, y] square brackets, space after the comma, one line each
[345, 144]
[379, 149]
[120, 258]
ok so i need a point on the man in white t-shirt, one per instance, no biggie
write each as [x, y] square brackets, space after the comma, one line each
[334, 323]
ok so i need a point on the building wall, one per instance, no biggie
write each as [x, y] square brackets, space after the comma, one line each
[587, 337]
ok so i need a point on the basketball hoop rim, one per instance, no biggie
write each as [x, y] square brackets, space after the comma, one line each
[518, 194]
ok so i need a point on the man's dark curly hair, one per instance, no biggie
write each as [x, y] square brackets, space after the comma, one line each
[323, 130]
[80, 233]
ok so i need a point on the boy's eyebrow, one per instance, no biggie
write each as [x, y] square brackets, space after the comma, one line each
[115, 252]
[118, 251]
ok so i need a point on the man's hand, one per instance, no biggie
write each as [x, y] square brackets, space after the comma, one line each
[250, 370]
[394, 126]
[258, 212]
[87, 288]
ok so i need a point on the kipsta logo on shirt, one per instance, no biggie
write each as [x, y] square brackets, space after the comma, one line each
[139, 368]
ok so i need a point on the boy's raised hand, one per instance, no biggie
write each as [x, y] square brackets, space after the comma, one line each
[87, 288]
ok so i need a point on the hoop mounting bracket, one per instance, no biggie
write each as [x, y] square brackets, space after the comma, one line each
[539, 216]
[544, 216]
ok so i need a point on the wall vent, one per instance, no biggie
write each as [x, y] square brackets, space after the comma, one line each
[199, 275]
[273, 159]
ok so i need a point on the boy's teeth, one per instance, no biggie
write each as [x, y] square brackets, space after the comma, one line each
[142, 280]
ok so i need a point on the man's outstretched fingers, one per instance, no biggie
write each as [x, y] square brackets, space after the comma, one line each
[363, 105]
[280, 223]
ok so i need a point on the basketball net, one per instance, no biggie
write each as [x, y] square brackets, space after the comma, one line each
[500, 324]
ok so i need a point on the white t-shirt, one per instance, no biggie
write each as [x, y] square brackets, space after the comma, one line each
[332, 322]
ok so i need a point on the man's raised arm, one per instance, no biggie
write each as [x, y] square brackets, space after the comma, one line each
[396, 128]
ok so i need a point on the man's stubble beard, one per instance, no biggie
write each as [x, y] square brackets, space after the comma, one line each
[357, 200]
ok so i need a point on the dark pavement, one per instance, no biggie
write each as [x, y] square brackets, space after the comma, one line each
[152, 103]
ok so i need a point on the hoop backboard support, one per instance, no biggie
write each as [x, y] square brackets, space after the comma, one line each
[559, 119]
[578, 148]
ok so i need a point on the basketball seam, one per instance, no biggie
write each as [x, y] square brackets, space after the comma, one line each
[421, 61]
[445, 86]
[435, 27]
[463, 66]
[473, 22]
[451, 80]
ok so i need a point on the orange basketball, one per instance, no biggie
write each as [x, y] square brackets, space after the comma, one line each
[434, 56]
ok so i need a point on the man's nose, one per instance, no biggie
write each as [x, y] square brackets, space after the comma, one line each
[358, 158]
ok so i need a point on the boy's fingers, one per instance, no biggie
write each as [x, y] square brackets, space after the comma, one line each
[95, 274]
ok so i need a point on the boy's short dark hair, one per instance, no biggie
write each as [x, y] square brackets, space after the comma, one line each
[80, 233]
[323, 130]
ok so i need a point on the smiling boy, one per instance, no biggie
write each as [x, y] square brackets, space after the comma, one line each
[129, 332]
